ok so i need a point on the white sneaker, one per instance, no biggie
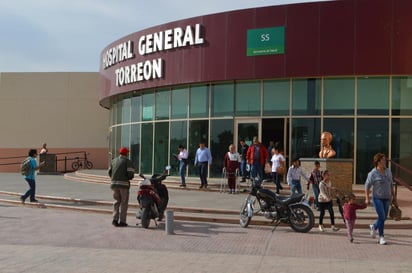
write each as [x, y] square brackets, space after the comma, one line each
[321, 228]
[372, 231]
[382, 241]
[335, 228]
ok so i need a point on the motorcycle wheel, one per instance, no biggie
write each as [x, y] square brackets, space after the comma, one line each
[244, 218]
[145, 221]
[301, 218]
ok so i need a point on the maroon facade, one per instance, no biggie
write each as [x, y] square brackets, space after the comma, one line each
[337, 38]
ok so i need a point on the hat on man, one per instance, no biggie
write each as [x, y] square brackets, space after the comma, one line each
[123, 151]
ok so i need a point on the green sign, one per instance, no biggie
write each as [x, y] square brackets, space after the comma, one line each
[266, 41]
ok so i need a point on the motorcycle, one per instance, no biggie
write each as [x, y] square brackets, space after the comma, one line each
[152, 197]
[292, 210]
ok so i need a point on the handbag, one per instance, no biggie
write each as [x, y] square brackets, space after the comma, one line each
[280, 170]
[395, 212]
[268, 168]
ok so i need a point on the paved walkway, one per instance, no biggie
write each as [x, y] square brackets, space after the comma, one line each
[46, 240]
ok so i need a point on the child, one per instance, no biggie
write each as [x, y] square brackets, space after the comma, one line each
[349, 213]
[314, 179]
[325, 201]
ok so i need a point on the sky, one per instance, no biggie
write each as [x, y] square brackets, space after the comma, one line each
[69, 35]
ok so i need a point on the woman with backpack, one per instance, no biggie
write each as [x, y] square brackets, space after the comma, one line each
[29, 168]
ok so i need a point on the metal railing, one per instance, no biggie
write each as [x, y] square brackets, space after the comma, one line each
[73, 159]
[396, 173]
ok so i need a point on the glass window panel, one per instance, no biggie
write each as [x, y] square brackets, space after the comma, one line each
[342, 130]
[162, 104]
[180, 102]
[112, 115]
[306, 96]
[147, 148]
[161, 151]
[402, 146]
[198, 130]
[117, 107]
[248, 99]
[276, 97]
[147, 106]
[178, 136]
[305, 137]
[117, 139]
[339, 96]
[136, 108]
[372, 138]
[402, 96]
[126, 110]
[373, 96]
[199, 101]
[221, 132]
[125, 136]
[135, 146]
[112, 143]
[222, 100]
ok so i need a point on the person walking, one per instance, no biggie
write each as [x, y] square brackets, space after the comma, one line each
[314, 179]
[231, 166]
[243, 162]
[294, 175]
[325, 201]
[182, 156]
[278, 161]
[349, 213]
[256, 156]
[31, 177]
[121, 171]
[203, 158]
[380, 179]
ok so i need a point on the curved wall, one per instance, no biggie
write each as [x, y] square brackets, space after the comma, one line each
[337, 38]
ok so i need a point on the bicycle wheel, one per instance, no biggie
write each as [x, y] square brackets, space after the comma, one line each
[75, 165]
[88, 164]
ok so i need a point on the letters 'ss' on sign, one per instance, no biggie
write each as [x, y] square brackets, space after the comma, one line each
[266, 41]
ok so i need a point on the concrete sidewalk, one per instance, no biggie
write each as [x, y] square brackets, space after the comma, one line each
[47, 240]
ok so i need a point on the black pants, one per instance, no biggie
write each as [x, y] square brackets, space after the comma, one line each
[329, 207]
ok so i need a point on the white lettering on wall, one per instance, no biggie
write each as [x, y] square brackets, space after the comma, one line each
[170, 39]
[149, 44]
[117, 54]
[142, 71]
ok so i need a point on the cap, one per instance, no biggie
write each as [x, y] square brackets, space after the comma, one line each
[123, 151]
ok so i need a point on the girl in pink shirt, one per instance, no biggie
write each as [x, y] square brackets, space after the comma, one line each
[349, 213]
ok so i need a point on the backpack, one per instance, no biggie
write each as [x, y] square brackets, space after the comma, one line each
[25, 167]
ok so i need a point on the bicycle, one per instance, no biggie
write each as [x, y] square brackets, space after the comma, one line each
[82, 163]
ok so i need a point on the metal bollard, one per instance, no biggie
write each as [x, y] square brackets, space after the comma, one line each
[169, 222]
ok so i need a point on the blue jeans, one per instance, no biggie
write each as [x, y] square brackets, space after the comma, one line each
[32, 191]
[295, 186]
[243, 168]
[316, 193]
[382, 208]
[203, 172]
[256, 171]
[182, 171]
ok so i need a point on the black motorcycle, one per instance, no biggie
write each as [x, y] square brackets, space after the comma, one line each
[292, 210]
[153, 198]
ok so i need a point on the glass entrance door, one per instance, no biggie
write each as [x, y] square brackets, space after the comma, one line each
[247, 129]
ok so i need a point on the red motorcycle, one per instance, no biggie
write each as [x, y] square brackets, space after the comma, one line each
[152, 197]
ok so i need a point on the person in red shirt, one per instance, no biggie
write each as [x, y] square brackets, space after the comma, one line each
[349, 213]
[256, 156]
